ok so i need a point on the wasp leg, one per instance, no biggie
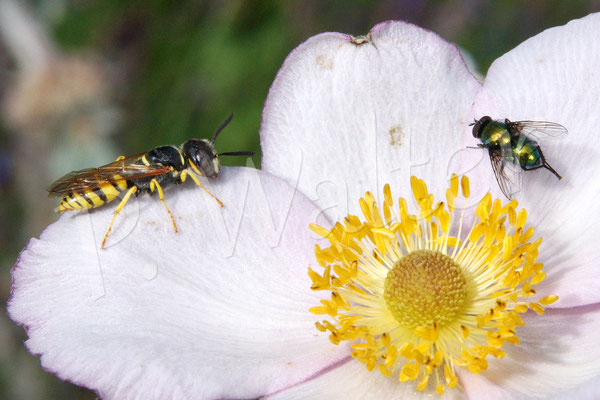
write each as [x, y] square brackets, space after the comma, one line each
[185, 174]
[131, 191]
[154, 184]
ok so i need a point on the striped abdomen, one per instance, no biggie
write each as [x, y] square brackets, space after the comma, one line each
[93, 197]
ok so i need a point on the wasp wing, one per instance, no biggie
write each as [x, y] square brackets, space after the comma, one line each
[91, 178]
[508, 174]
[538, 129]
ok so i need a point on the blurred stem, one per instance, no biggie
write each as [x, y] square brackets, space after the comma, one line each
[26, 38]
[29, 45]
[55, 99]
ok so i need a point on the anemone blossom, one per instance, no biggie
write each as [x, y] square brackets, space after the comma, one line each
[423, 280]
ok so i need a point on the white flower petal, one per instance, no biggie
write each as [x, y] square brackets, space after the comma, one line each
[480, 388]
[218, 310]
[351, 380]
[342, 118]
[589, 390]
[554, 77]
[557, 352]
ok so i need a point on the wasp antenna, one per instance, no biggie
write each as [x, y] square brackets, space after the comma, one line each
[238, 153]
[221, 127]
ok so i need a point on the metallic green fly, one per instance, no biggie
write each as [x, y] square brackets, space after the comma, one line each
[513, 148]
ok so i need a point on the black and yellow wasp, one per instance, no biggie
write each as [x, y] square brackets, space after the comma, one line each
[146, 172]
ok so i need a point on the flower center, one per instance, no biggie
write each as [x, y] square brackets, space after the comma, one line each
[420, 295]
[425, 287]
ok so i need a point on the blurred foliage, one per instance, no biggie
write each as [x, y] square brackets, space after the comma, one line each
[181, 67]
[189, 66]
[192, 63]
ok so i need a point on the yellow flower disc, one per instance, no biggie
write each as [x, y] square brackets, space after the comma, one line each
[415, 301]
[425, 287]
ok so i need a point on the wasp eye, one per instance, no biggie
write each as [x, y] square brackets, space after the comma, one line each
[204, 161]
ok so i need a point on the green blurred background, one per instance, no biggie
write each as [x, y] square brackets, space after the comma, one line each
[159, 72]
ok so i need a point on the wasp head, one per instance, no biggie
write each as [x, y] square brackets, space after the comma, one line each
[201, 157]
[200, 154]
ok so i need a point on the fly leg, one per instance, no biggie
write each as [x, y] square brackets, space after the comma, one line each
[131, 191]
[155, 185]
[547, 166]
[544, 164]
[185, 174]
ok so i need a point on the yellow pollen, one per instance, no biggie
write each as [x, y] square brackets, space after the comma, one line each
[423, 288]
[419, 295]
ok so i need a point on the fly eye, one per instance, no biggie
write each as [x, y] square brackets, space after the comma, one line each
[476, 126]
[479, 124]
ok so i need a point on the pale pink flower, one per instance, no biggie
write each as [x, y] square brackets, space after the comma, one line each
[220, 310]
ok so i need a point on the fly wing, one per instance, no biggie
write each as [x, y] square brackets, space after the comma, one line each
[538, 129]
[507, 173]
[91, 178]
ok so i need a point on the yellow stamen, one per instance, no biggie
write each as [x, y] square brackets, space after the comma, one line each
[417, 302]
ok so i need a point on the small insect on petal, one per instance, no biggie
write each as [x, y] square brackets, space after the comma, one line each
[147, 172]
[513, 149]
